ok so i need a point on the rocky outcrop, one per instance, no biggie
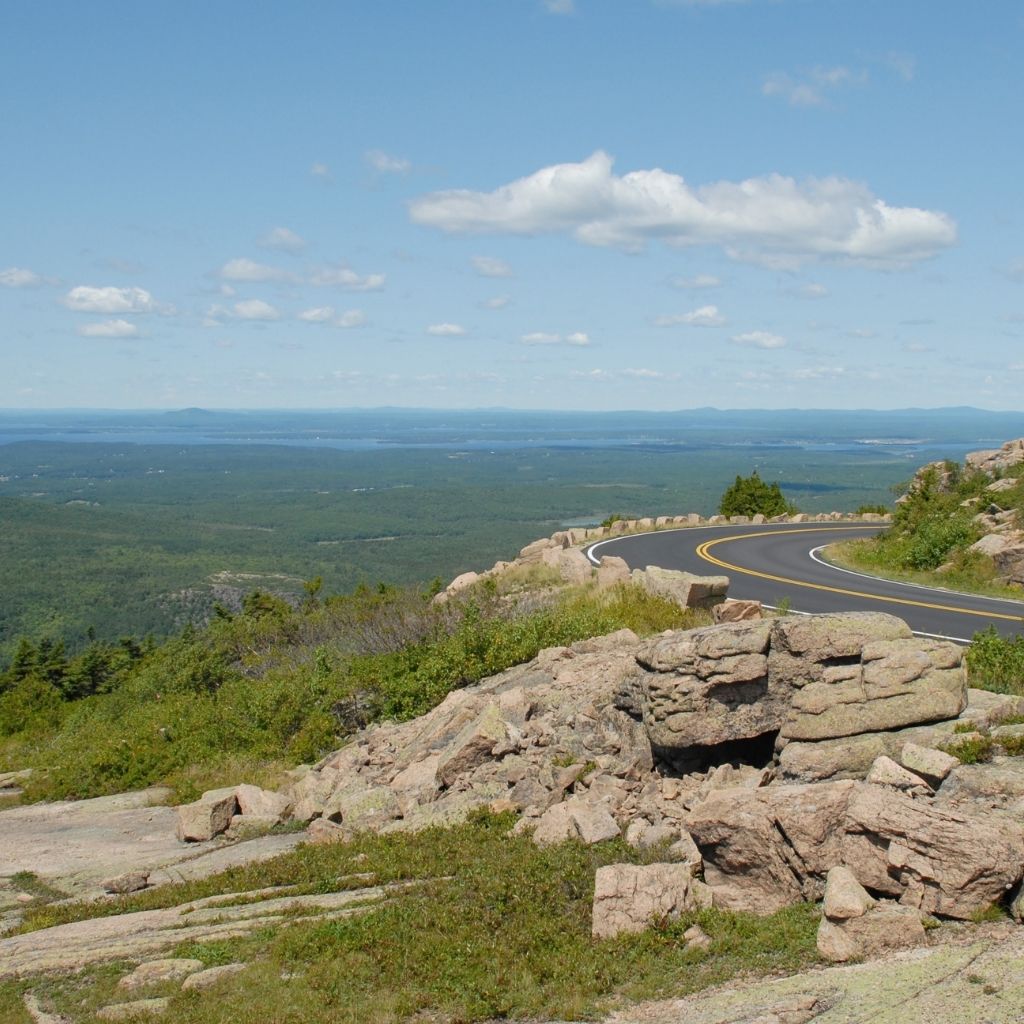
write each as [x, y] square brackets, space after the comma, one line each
[995, 462]
[773, 846]
[893, 684]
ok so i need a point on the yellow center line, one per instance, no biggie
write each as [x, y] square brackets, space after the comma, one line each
[704, 549]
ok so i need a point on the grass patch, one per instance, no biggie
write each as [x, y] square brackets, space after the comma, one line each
[996, 663]
[506, 934]
[272, 687]
[971, 749]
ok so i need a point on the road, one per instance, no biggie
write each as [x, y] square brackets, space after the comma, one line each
[782, 564]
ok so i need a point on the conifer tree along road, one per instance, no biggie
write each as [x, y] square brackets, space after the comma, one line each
[783, 565]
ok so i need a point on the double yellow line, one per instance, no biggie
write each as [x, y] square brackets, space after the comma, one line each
[703, 551]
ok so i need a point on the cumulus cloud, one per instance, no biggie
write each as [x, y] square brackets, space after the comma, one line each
[577, 338]
[697, 282]
[255, 309]
[759, 339]
[19, 277]
[329, 315]
[446, 330]
[705, 316]
[385, 164]
[284, 239]
[249, 270]
[109, 329]
[773, 220]
[559, 6]
[497, 302]
[86, 299]
[320, 170]
[489, 266]
[345, 277]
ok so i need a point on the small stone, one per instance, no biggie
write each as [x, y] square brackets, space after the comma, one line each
[845, 897]
[931, 765]
[264, 802]
[204, 979]
[696, 936]
[886, 772]
[737, 611]
[322, 831]
[24, 897]
[132, 881]
[156, 971]
[207, 817]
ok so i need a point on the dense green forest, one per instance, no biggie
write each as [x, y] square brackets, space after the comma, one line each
[133, 539]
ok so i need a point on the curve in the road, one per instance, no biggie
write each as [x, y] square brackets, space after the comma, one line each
[781, 565]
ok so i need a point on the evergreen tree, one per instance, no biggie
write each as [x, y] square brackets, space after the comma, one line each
[750, 495]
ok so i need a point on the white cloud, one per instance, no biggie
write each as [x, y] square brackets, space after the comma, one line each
[559, 6]
[284, 239]
[86, 299]
[811, 88]
[317, 315]
[642, 373]
[350, 318]
[345, 277]
[759, 339]
[488, 266]
[917, 347]
[109, 329]
[1016, 367]
[498, 302]
[697, 282]
[256, 309]
[19, 277]
[772, 220]
[811, 290]
[249, 270]
[705, 316]
[385, 164]
[598, 376]
[328, 315]
[577, 338]
[904, 64]
[320, 170]
[446, 330]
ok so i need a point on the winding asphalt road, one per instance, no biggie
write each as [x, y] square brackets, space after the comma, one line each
[782, 563]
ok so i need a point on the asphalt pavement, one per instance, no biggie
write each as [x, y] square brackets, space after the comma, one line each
[782, 564]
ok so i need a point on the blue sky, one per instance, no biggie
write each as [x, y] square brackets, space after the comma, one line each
[576, 204]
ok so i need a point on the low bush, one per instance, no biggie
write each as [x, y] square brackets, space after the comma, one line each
[996, 662]
[269, 688]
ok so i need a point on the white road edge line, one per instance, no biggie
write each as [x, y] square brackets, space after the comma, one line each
[815, 557]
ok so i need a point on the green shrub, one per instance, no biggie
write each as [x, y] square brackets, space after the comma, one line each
[996, 662]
